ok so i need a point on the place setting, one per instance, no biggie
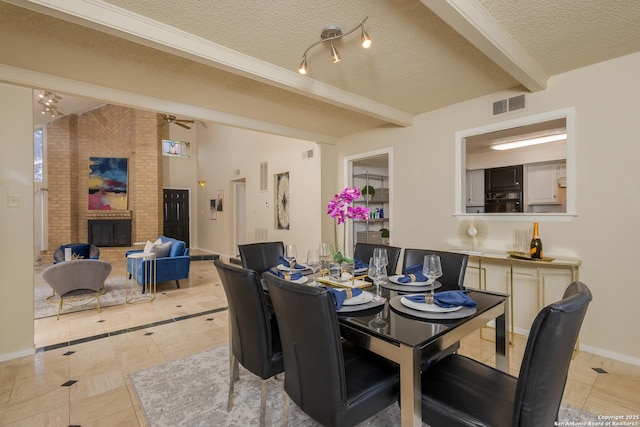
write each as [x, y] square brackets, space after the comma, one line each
[444, 305]
[414, 280]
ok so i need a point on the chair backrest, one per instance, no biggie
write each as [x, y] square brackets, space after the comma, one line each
[454, 266]
[178, 247]
[544, 369]
[81, 250]
[313, 359]
[261, 256]
[251, 330]
[80, 274]
[364, 251]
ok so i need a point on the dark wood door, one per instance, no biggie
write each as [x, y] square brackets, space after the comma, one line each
[176, 214]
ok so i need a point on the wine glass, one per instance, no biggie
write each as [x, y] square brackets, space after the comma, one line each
[432, 269]
[374, 274]
[313, 262]
[290, 254]
[380, 254]
[325, 255]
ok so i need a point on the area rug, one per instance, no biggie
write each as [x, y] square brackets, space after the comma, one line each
[193, 392]
[115, 294]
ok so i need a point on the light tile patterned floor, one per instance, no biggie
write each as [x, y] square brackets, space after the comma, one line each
[32, 391]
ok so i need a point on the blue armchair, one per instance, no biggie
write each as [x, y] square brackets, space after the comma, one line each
[174, 266]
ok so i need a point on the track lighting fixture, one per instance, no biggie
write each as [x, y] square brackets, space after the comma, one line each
[49, 102]
[331, 33]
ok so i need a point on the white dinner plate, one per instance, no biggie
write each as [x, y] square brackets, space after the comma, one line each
[363, 298]
[361, 270]
[288, 269]
[300, 281]
[432, 308]
[394, 279]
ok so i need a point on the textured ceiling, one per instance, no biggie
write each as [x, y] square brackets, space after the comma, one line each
[425, 55]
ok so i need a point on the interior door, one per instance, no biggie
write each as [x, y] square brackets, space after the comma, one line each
[176, 214]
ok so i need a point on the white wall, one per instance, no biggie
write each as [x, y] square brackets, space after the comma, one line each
[603, 235]
[223, 151]
[16, 223]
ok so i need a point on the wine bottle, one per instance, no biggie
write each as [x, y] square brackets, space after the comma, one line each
[536, 243]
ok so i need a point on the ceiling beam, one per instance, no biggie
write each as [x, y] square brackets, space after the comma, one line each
[113, 20]
[29, 78]
[471, 20]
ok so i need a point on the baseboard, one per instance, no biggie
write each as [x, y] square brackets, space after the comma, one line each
[17, 354]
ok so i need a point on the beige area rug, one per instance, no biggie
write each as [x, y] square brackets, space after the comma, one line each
[193, 392]
[115, 294]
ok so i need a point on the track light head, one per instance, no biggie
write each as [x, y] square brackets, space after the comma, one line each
[365, 40]
[302, 69]
[335, 56]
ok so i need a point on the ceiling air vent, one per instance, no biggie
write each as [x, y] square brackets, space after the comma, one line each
[263, 176]
[507, 105]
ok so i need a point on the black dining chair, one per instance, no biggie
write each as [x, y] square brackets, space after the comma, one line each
[458, 391]
[454, 266]
[262, 256]
[364, 251]
[333, 381]
[254, 336]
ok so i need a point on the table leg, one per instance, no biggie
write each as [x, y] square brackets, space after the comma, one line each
[410, 386]
[502, 339]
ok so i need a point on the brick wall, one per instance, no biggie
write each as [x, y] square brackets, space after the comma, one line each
[109, 131]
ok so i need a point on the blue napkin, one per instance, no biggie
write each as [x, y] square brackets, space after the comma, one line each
[357, 264]
[286, 276]
[295, 264]
[416, 272]
[340, 295]
[446, 299]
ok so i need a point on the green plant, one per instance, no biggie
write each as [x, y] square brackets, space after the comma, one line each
[384, 233]
[367, 189]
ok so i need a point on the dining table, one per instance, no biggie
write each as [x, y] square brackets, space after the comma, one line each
[406, 336]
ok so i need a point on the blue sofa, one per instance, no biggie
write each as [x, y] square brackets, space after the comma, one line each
[175, 266]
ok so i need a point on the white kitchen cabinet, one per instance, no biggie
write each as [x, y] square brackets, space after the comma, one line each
[542, 184]
[475, 187]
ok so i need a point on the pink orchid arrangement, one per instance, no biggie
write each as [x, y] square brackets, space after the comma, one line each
[340, 208]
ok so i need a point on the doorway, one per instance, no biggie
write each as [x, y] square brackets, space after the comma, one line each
[373, 170]
[176, 214]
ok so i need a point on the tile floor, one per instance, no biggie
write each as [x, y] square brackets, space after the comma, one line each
[75, 379]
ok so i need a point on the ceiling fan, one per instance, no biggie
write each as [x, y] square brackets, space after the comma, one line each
[180, 122]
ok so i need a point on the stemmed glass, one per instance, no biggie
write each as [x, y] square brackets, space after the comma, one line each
[313, 262]
[290, 254]
[432, 269]
[380, 254]
[374, 272]
[325, 255]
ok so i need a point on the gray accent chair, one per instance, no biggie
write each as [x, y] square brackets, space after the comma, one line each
[77, 279]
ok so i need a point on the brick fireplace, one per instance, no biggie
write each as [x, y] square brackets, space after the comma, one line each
[108, 131]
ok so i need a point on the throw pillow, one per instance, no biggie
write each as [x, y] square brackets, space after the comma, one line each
[162, 250]
[148, 247]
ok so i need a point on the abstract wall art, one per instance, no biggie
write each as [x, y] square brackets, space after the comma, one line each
[108, 183]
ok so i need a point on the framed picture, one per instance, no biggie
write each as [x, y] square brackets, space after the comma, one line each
[212, 209]
[108, 177]
[219, 202]
[282, 201]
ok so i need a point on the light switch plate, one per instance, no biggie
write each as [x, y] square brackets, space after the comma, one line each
[13, 200]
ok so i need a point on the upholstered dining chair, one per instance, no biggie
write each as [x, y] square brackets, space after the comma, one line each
[458, 391]
[253, 335]
[261, 256]
[331, 380]
[454, 266]
[364, 251]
